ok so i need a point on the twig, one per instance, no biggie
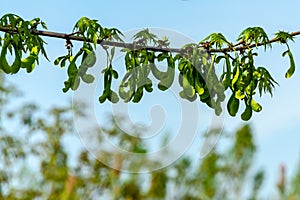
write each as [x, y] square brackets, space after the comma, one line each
[244, 47]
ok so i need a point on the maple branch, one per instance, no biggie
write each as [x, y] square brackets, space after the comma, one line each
[237, 47]
[102, 42]
[240, 46]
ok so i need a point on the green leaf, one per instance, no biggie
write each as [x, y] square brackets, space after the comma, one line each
[216, 39]
[44, 25]
[283, 36]
[145, 36]
[95, 39]
[116, 34]
[266, 81]
[255, 35]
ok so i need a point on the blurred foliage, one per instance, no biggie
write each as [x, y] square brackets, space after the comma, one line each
[36, 164]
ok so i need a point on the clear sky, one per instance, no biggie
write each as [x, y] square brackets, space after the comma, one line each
[276, 127]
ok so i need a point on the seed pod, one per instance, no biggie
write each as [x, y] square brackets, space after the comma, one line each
[138, 95]
[247, 114]
[76, 83]
[255, 106]
[90, 60]
[187, 88]
[88, 78]
[14, 68]
[233, 105]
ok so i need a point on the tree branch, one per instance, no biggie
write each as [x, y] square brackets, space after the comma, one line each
[237, 47]
[240, 46]
[103, 42]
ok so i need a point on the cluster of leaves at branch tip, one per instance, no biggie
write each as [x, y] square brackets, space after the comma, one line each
[195, 63]
[19, 44]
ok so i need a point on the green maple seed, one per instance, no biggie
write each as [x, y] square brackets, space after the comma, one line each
[255, 106]
[104, 96]
[168, 79]
[247, 114]
[236, 76]
[191, 99]
[28, 63]
[113, 97]
[76, 83]
[90, 59]
[239, 94]
[88, 78]
[14, 68]
[233, 105]
[148, 87]
[187, 88]
[159, 75]
[138, 95]
[292, 68]
[198, 86]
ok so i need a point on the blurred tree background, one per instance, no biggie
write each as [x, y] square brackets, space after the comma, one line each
[35, 163]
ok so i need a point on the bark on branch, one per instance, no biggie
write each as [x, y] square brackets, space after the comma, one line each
[236, 47]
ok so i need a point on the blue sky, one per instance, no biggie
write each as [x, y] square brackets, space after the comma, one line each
[276, 127]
